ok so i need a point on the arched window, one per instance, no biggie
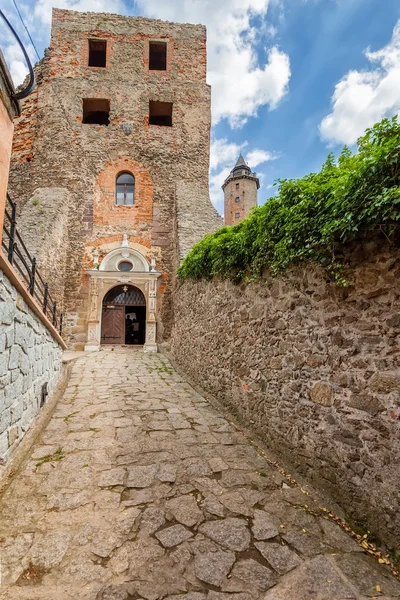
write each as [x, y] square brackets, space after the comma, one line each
[125, 189]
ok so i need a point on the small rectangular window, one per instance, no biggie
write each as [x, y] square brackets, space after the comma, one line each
[160, 113]
[237, 215]
[237, 199]
[237, 186]
[97, 53]
[157, 56]
[96, 111]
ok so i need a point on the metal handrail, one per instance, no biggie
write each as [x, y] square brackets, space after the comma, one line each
[26, 265]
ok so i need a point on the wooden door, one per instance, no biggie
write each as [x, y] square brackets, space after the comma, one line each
[113, 325]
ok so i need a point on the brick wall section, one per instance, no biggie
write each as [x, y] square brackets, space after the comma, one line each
[29, 357]
[27, 124]
[54, 148]
[314, 369]
[107, 216]
[247, 192]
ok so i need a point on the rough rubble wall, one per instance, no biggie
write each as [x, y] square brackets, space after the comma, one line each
[29, 357]
[314, 369]
[189, 225]
[54, 149]
[44, 223]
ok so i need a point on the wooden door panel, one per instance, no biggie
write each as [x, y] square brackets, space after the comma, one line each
[113, 325]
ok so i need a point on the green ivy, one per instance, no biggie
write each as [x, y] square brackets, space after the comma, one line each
[311, 218]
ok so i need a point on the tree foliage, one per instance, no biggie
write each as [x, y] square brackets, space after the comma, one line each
[313, 217]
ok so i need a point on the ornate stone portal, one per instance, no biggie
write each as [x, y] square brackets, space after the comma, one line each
[128, 266]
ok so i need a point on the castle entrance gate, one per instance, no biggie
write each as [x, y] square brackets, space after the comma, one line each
[123, 318]
[122, 300]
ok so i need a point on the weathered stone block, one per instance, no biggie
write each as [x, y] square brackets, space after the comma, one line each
[7, 312]
[15, 373]
[16, 411]
[24, 363]
[4, 358]
[275, 362]
[13, 435]
[322, 393]
[21, 333]
[385, 383]
[3, 445]
[13, 361]
[366, 403]
[21, 304]
[10, 337]
[4, 419]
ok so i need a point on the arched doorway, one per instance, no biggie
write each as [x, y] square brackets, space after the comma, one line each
[124, 316]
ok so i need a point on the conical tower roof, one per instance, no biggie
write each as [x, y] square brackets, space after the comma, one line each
[240, 162]
[241, 169]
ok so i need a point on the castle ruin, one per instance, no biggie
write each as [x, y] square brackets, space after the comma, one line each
[110, 170]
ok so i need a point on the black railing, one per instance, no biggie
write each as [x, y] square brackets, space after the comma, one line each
[26, 267]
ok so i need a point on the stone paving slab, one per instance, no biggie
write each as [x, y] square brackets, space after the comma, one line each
[139, 489]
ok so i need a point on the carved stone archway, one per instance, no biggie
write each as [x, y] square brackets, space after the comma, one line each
[101, 280]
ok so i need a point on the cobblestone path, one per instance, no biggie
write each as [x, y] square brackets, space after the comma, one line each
[138, 488]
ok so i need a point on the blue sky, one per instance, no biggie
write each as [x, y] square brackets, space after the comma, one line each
[291, 79]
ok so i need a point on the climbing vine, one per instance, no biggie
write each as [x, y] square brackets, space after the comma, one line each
[312, 218]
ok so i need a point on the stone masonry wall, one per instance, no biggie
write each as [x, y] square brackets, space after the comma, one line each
[313, 369]
[44, 223]
[187, 224]
[29, 357]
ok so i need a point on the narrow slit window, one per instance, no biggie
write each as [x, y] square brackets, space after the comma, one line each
[125, 189]
[237, 215]
[96, 111]
[97, 53]
[237, 186]
[237, 199]
[160, 113]
[157, 56]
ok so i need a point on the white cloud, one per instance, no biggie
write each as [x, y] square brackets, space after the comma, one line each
[216, 181]
[223, 152]
[42, 10]
[240, 85]
[15, 59]
[362, 98]
[18, 71]
[271, 31]
[258, 157]
[223, 157]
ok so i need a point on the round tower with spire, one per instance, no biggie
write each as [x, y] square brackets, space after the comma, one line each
[240, 192]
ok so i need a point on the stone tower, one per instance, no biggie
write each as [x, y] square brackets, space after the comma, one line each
[240, 192]
[110, 167]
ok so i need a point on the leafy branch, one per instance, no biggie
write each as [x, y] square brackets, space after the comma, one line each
[313, 217]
